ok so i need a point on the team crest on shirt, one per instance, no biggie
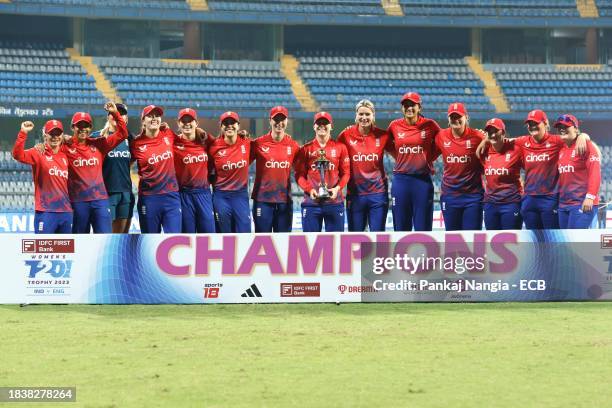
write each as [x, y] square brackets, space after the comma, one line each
[423, 134]
[401, 135]
[507, 156]
[333, 153]
[49, 158]
[353, 142]
[468, 144]
[222, 153]
[92, 148]
[527, 144]
[488, 158]
[447, 144]
[243, 149]
[547, 145]
[72, 151]
[166, 141]
[142, 148]
[264, 149]
[312, 154]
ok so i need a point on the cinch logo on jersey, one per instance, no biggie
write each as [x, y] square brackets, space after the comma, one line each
[568, 168]
[156, 158]
[200, 158]
[411, 150]
[490, 171]
[451, 158]
[537, 157]
[360, 157]
[54, 171]
[331, 166]
[273, 164]
[123, 154]
[234, 165]
[80, 162]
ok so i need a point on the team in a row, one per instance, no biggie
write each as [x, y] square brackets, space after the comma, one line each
[90, 174]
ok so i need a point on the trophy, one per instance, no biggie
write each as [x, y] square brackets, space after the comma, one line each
[322, 163]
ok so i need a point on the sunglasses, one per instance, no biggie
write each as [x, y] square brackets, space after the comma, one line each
[83, 125]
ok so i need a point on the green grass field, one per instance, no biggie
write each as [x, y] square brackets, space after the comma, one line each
[432, 355]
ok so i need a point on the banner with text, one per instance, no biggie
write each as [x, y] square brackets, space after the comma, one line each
[299, 267]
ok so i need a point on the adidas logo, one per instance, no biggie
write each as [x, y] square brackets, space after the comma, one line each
[252, 292]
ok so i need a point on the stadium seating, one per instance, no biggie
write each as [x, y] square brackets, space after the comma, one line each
[41, 73]
[361, 7]
[339, 79]
[153, 4]
[16, 186]
[491, 8]
[556, 90]
[220, 85]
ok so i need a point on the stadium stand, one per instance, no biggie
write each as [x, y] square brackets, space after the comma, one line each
[362, 7]
[339, 79]
[153, 4]
[42, 73]
[220, 85]
[555, 88]
[16, 186]
[491, 8]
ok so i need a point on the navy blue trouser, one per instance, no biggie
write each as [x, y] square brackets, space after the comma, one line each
[197, 211]
[462, 212]
[272, 217]
[412, 202]
[52, 222]
[506, 216]
[367, 210]
[574, 218]
[160, 211]
[540, 211]
[94, 214]
[232, 213]
[314, 216]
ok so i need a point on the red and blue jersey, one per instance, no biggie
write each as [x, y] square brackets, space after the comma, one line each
[502, 172]
[366, 154]
[413, 145]
[462, 168]
[540, 163]
[273, 164]
[50, 175]
[191, 164]
[230, 163]
[579, 176]
[155, 159]
[85, 178]
[307, 173]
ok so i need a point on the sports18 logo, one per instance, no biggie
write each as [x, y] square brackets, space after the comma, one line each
[57, 269]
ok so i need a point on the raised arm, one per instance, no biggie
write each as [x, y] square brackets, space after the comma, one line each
[29, 156]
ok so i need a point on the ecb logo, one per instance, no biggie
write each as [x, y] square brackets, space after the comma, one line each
[57, 269]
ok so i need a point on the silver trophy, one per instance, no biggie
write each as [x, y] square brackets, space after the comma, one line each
[322, 163]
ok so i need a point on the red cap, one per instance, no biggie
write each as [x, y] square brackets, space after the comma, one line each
[537, 116]
[81, 117]
[458, 108]
[496, 123]
[567, 120]
[148, 109]
[323, 115]
[53, 124]
[188, 112]
[229, 114]
[279, 110]
[411, 96]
